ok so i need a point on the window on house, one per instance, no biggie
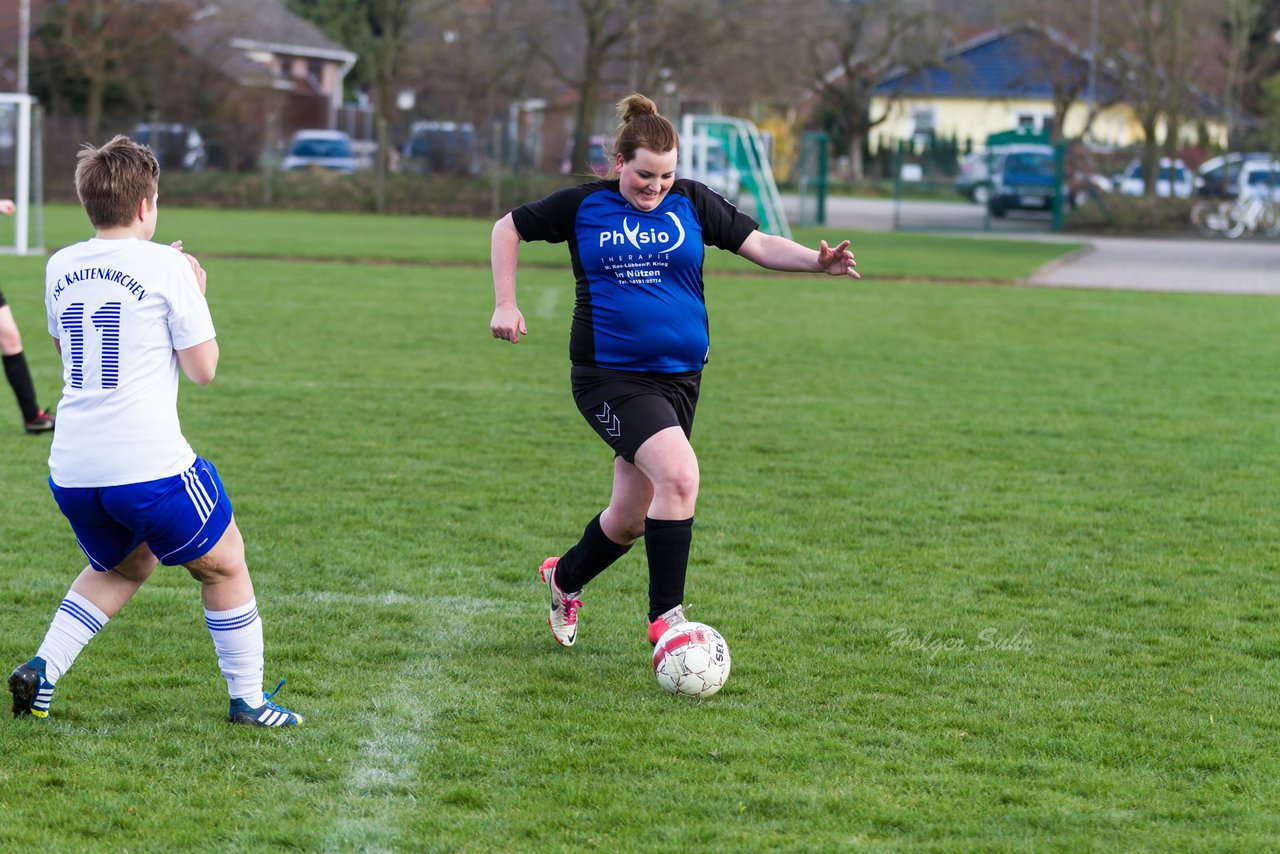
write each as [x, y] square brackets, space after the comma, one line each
[923, 120]
[1033, 122]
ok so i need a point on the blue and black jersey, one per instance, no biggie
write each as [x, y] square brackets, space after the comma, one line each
[639, 304]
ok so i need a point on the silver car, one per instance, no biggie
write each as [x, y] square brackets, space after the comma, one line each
[320, 149]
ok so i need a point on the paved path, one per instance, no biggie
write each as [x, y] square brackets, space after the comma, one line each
[1187, 264]
[1180, 264]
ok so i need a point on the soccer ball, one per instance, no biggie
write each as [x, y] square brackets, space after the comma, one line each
[691, 660]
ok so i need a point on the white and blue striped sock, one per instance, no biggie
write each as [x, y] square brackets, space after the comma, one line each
[237, 639]
[74, 624]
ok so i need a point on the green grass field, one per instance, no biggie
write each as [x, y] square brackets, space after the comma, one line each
[996, 565]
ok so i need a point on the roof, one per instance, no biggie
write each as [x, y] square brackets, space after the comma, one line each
[1018, 62]
[229, 33]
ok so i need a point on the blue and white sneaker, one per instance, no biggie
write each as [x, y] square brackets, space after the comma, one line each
[268, 714]
[32, 692]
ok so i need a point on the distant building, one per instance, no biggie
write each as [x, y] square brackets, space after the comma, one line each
[258, 48]
[263, 48]
[1001, 80]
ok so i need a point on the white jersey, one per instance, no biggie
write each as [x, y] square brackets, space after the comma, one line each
[121, 308]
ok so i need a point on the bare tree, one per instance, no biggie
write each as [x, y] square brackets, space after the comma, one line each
[377, 30]
[722, 55]
[577, 45]
[98, 42]
[1250, 52]
[855, 45]
[1158, 68]
[1072, 53]
[469, 61]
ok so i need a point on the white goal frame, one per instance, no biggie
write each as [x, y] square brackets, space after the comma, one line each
[27, 194]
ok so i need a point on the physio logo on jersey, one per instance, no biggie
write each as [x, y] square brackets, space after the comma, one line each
[651, 239]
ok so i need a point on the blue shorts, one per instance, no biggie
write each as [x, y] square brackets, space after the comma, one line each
[180, 518]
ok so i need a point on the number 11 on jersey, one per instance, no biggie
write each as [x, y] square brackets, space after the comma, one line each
[106, 320]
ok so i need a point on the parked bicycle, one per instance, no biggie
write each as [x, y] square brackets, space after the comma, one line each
[1232, 218]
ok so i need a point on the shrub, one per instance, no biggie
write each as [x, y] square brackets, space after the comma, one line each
[1120, 214]
[316, 190]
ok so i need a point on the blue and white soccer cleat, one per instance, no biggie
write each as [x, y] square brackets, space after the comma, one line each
[32, 692]
[267, 715]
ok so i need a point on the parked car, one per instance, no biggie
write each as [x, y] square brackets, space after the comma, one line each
[1022, 178]
[175, 146]
[1259, 178]
[1220, 176]
[440, 147]
[973, 181]
[1174, 179]
[320, 149]
[597, 157]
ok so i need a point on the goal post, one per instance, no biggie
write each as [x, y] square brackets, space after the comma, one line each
[810, 177]
[729, 155]
[20, 171]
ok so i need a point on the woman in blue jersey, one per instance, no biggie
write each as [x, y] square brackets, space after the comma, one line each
[638, 343]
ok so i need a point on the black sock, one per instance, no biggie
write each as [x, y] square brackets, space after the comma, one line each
[592, 555]
[19, 376]
[667, 541]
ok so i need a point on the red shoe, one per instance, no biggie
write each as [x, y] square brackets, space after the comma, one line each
[659, 627]
[563, 618]
[42, 423]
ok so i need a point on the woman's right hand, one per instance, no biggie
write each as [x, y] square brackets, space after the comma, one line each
[507, 324]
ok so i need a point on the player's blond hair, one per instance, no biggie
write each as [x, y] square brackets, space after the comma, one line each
[641, 126]
[111, 181]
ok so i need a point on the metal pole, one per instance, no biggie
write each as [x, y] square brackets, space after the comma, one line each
[22, 176]
[24, 44]
[1093, 55]
[897, 187]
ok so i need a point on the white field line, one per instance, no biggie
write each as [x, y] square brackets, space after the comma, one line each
[400, 720]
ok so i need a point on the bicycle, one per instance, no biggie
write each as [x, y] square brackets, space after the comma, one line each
[1233, 218]
[1252, 214]
[1211, 217]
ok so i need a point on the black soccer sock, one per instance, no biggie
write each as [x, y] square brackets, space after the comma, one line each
[667, 541]
[19, 376]
[592, 555]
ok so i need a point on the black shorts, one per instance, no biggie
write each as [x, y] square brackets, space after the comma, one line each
[627, 408]
[2, 302]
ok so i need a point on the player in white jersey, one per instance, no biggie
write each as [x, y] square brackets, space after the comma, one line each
[125, 314]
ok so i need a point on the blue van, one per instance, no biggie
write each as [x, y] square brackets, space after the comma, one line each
[440, 147]
[1022, 178]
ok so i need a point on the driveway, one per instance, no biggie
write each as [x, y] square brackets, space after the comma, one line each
[1178, 264]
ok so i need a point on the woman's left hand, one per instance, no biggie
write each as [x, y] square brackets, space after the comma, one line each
[837, 261]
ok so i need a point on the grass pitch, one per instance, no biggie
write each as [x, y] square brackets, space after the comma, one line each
[996, 566]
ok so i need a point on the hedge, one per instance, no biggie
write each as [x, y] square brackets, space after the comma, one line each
[318, 190]
[1113, 213]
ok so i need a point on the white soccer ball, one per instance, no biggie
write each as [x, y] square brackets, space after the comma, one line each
[691, 660]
